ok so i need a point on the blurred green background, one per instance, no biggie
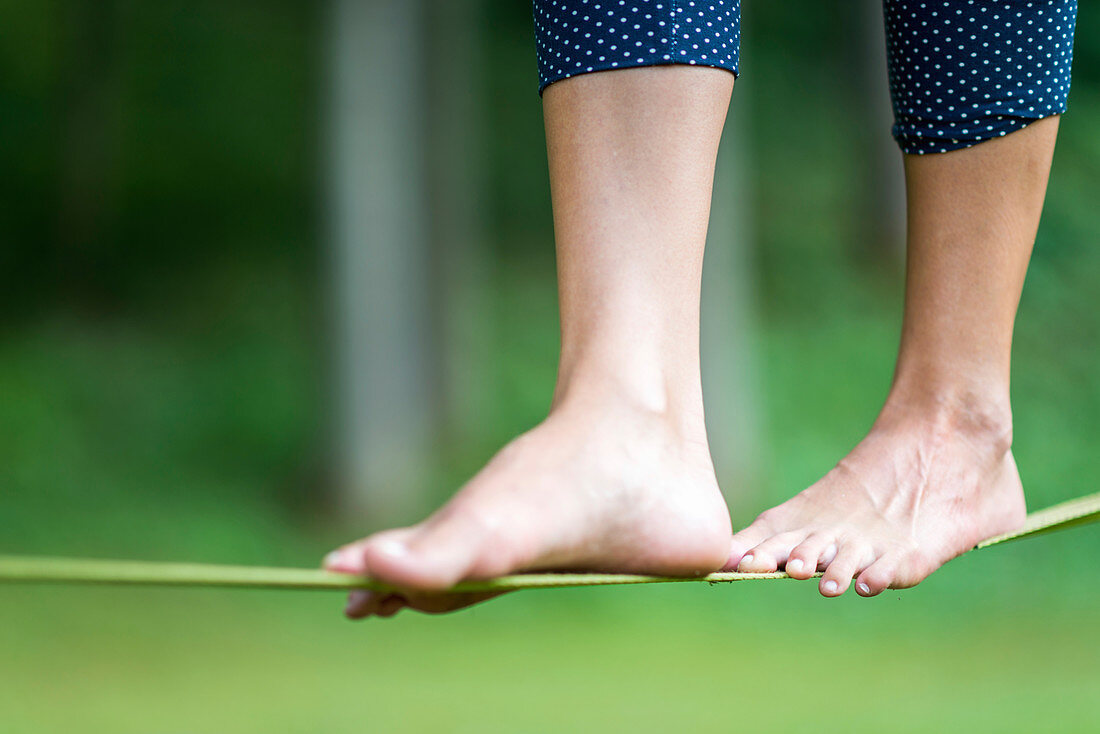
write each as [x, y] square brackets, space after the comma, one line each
[169, 389]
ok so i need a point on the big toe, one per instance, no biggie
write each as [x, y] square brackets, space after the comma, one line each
[352, 558]
[432, 557]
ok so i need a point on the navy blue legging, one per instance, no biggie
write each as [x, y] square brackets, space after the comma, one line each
[961, 71]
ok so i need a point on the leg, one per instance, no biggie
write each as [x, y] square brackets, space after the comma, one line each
[618, 477]
[935, 476]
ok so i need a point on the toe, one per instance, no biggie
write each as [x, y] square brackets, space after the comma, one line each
[772, 553]
[850, 559]
[361, 604]
[877, 577]
[913, 567]
[433, 557]
[351, 558]
[381, 604]
[804, 559]
[443, 603]
[741, 542]
[390, 605]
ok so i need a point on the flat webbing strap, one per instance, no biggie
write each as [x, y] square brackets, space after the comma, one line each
[29, 569]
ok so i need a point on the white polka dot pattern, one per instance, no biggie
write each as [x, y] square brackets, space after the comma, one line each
[964, 71]
[578, 36]
[961, 71]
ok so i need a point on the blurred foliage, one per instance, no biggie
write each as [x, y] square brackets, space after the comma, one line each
[192, 127]
[159, 308]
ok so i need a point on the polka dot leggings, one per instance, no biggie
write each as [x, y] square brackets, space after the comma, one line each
[961, 71]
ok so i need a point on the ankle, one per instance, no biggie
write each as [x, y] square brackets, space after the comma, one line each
[983, 417]
[649, 395]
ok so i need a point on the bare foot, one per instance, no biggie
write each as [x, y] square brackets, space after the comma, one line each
[918, 491]
[609, 487]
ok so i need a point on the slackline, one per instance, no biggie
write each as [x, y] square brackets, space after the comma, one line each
[30, 569]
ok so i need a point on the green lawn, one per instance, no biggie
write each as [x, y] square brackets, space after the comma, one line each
[989, 644]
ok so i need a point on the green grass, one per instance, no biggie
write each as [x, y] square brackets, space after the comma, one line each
[956, 654]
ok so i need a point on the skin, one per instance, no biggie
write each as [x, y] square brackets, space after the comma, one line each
[619, 477]
[935, 475]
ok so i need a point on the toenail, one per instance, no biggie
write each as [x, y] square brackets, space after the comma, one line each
[747, 558]
[392, 548]
[831, 587]
[795, 565]
[340, 558]
[863, 588]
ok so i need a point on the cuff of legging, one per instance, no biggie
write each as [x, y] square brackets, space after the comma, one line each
[547, 80]
[922, 138]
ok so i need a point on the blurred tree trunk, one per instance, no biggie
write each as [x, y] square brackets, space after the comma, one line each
[405, 224]
[380, 256]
